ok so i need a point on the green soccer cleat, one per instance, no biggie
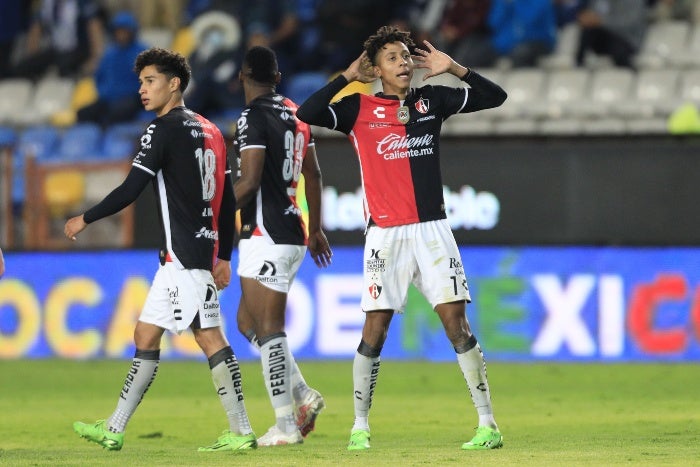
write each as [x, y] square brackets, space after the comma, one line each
[359, 440]
[98, 433]
[232, 442]
[486, 438]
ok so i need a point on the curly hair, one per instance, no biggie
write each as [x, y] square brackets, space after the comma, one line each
[386, 35]
[169, 63]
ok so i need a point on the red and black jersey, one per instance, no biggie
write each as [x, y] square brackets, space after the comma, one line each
[269, 122]
[398, 142]
[187, 156]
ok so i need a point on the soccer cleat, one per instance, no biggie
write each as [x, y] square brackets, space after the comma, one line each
[277, 437]
[308, 410]
[486, 438]
[232, 442]
[359, 440]
[98, 433]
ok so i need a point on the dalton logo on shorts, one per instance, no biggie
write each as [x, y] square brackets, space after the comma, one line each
[375, 291]
[211, 302]
[268, 272]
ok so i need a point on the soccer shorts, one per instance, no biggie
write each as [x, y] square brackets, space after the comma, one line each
[424, 254]
[274, 266]
[181, 297]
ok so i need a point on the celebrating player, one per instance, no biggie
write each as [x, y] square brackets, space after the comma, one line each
[408, 239]
[275, 149]
[184, 155]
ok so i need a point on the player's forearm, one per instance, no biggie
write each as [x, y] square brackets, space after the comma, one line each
[314, 110]
[120, 197]
[227, 221]
[484, 93]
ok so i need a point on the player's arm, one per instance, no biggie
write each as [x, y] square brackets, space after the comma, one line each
[252, 163]
[319, 248]
[227, 227]
[118, 199]
[2, 264]
[483, 93]
[315, 110]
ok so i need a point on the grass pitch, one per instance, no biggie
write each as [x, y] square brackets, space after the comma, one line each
[550, 414]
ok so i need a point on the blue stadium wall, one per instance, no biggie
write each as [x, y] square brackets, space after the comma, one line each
[576, 249]
[530, 304]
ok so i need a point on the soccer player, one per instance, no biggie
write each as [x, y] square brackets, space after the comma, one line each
[184, 156]
[274, 150]
[408, 240]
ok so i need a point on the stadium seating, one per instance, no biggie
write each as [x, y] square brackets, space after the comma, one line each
[15, 95]
[81, 142]
[51, 95]
[302, 85]
[663, 40]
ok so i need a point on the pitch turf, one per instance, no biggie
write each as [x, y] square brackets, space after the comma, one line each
[550, 414]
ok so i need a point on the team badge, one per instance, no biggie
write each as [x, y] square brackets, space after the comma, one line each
[375, 291]
[422, 105]
[402, 114]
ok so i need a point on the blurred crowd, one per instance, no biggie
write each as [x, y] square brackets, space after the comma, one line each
[100, 38]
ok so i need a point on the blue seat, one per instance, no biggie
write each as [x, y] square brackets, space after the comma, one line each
[120, 143]
[39, 141]
[302, 85]
[8, 136]
[82, 141]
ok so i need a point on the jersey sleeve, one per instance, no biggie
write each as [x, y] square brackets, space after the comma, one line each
[153, 144]
[250, 130]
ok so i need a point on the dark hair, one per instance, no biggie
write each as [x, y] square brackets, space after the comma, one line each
[169, 63]
[386, 35]
[262, 62]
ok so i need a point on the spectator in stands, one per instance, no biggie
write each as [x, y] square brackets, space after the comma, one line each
[688, 10]
[462, 31]
[344, 25]
[14, 20]
[566, 11]
[275, 24]
[75, 39]
[215, 87]
[614, 28]
[522, 30]
[117, 86]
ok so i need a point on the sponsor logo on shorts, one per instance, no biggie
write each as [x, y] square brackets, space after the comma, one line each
[267, 273]
[374, 263]
[211, 302]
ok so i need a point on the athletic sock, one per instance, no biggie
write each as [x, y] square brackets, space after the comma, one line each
[365, 370]
[299, 386]
[274, 354]
[144, 367]
[471, 362]
[226, 374]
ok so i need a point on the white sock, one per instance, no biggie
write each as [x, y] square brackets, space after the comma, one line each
[144, 368]
[226, 374]
[473, 368]
[364, 375]
[274, 354]
[299, 386]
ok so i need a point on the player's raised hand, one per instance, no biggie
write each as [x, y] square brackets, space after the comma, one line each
[319, 249]
[360, 70]
[74, 226]
[435, 61]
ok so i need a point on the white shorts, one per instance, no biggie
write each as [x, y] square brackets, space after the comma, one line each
[424, 254]
[274, 266]
[181, 297]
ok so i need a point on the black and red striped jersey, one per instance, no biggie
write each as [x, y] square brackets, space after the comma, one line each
[398, 145]
[269, 122]
[186, 155]
[397, 142]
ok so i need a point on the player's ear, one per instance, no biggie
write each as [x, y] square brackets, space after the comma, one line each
[174, 83]
[278, 78]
